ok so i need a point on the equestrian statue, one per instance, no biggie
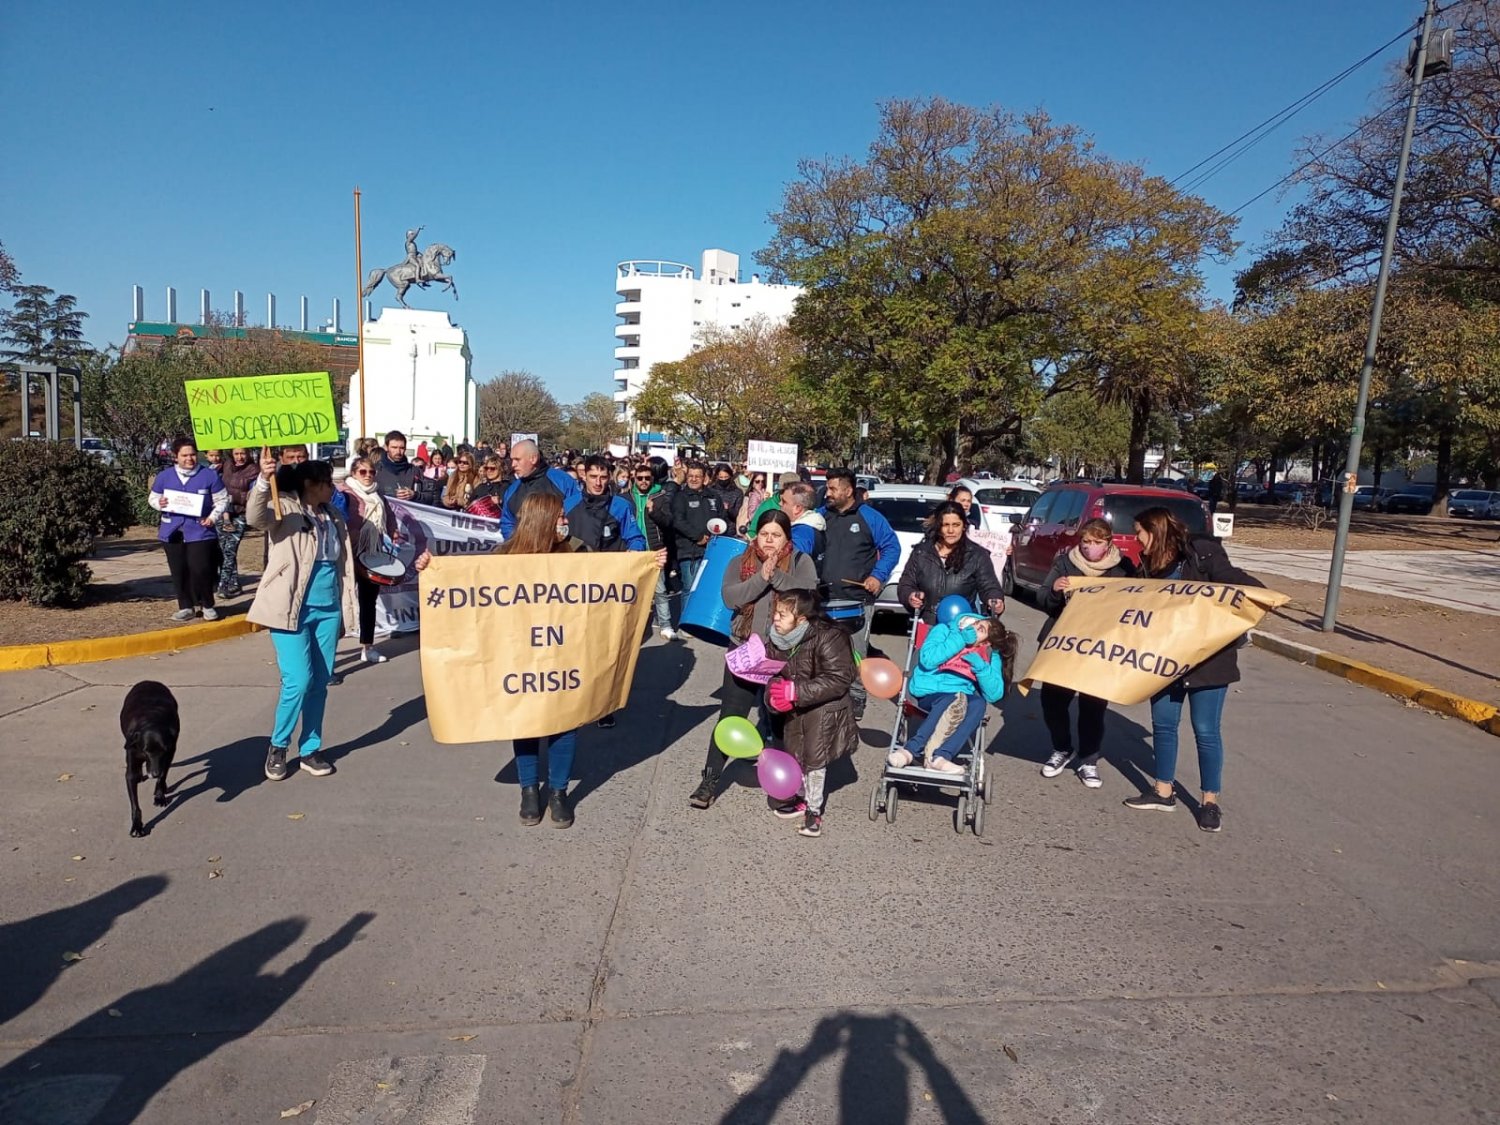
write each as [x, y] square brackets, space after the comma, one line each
[420, 268]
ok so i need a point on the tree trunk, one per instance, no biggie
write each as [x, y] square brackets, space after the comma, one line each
[1140, 420]
[1444, 470]
[1377, 467]
[896, 457]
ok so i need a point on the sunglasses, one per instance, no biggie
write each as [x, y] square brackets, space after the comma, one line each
[492, 468]
[464, 464]
[363, 473]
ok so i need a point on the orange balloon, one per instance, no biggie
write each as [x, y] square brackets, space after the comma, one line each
[881, 677]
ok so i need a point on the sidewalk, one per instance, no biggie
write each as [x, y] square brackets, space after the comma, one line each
[1462, 580]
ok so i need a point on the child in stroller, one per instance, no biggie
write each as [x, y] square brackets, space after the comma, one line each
[959, 664]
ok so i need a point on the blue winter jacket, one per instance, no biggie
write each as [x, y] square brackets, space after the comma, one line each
[943, 643]
[559, 481]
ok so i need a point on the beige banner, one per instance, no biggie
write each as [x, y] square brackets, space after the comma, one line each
[519, 646]
[1124, 639]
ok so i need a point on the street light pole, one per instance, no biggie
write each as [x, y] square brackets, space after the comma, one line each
[1367, 367]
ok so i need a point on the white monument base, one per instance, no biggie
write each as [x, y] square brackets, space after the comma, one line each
[420, 380]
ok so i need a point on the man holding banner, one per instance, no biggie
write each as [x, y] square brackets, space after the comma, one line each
[532, 644]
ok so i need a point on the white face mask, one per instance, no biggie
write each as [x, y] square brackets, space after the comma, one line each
[562, 529]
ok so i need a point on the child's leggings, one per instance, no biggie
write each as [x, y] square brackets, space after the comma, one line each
[812, 789]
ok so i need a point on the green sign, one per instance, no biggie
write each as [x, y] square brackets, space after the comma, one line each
[261, 410]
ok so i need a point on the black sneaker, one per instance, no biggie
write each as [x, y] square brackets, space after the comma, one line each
[708, 789]
[276, 763]
[560, 808]
[1210, 818]
[812, 824]
[1152, 801]
[608, 722]
[315, 764]
[531, 805]
[791, 810]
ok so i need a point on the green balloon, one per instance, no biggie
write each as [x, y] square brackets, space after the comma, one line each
[738, 738]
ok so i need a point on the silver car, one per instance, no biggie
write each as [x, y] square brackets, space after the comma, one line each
[1472, 503]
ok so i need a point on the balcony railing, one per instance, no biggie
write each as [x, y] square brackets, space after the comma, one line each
[653, 269]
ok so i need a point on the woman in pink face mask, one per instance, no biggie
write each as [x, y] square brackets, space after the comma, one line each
[1096, 556]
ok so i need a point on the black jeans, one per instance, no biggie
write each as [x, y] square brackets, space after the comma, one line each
[1055, 703]
[193, 570]
[367, 593]
[736, 697]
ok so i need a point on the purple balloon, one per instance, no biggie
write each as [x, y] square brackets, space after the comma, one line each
[780, 775]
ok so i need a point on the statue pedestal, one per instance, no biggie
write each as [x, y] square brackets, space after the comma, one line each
[419, 379]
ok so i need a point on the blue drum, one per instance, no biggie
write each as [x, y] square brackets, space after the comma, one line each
[704, 613]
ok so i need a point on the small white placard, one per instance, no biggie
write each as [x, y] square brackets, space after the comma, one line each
[181, 503]
[771, 458]
[515, 439]
[1223, 524]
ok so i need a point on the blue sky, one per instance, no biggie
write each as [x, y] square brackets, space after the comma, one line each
[162, 144]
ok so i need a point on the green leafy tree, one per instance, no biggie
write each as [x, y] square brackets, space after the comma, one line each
[42, 327]
[518, 402]
[593, 424]
[971, 266]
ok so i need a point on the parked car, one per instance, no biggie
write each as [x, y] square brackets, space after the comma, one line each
[1415, 498]
[1051, 525]
[99, 448]
[906, 508]
[1368, 498]
[867, 481]
[1472, 503]
[998, 500]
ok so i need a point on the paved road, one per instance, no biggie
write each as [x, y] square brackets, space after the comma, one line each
[390, 941]
[1466, 580]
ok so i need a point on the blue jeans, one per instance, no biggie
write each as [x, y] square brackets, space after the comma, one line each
[661, 602]
[935, 705]
[305, 657]
[1206, 705]
[560, 749]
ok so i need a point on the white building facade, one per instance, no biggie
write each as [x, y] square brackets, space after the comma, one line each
[420, 378]
[664, 305]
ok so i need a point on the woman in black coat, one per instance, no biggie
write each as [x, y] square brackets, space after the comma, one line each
[1096, 556]
[947, 562]
[1169, 551]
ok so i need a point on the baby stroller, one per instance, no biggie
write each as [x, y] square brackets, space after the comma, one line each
[973, 785]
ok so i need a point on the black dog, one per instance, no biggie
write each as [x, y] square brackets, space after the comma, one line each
[148, 720]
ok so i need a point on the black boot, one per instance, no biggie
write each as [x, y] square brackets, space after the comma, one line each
[531, 805]
[561, 808]
[707, 791]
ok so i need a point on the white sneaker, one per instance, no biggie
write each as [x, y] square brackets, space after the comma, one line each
[1057, 762]
[183, 615]
[669, 634]
[373, 657]
[1089, 775]
[899, 757]
[210, 613]
[946, 765]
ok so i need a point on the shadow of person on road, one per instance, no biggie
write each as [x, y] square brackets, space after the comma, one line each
[34, 947]
[231, 770]
[405, 715]
[875, 1078]
[224, 997]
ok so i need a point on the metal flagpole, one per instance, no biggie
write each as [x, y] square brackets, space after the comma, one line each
[359, 310]
[1366, 368]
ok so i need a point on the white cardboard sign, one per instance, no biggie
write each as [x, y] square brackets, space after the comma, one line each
[772, 458]
[1223, 524]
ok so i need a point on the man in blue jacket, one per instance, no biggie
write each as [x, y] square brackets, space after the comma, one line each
[860, 552]
[533, 475]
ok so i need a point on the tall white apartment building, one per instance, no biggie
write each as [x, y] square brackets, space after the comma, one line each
[663, 306]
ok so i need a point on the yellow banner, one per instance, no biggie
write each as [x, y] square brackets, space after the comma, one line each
[256, 410]
[519, 646]
[1124, 639]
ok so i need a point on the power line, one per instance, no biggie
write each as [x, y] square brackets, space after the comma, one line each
[1257, 133]
[1360, 128]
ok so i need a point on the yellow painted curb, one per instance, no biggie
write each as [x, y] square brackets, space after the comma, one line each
[1485, 716]
[14, 658]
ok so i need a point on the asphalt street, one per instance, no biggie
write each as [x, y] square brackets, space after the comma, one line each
[390, 944]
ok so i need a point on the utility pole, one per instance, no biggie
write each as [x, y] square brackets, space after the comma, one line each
[1367, 367]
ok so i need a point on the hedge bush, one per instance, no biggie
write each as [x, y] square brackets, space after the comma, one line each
[54, 501]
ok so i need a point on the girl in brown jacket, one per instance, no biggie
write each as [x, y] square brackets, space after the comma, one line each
[812, 691]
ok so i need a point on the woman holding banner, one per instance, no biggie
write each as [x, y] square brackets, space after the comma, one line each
[769, 565]
[1169, 551]
[303, 599]
[1096, 556]
[541, 529]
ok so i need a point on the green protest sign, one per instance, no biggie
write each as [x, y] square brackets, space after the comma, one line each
[260, 410]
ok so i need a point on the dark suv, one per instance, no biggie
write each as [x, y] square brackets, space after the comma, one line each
[1051, 525]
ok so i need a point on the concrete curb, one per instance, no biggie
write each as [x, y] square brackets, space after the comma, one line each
[1485, 716]
[14, 658]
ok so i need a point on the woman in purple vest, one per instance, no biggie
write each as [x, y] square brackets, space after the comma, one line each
[192, 500]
